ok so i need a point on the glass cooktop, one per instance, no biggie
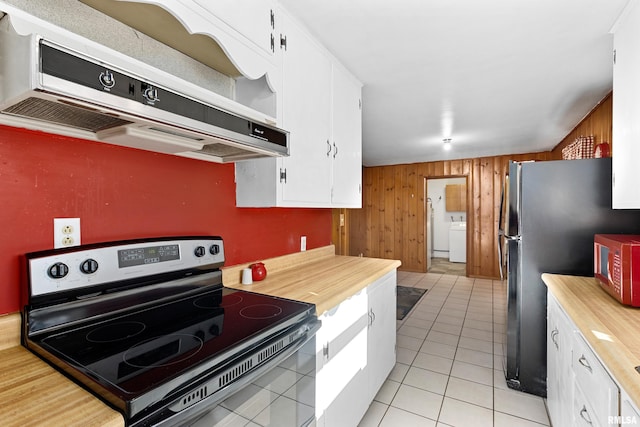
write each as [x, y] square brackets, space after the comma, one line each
[136, 351]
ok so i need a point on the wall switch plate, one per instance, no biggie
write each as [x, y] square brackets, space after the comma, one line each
[303, 243]
[66, 232]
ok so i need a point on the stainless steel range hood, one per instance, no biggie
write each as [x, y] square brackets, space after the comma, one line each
[79, 88]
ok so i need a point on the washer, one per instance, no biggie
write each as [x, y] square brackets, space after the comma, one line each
[458, 242]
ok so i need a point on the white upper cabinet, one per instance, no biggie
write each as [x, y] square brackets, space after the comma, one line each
[347, 140]
[306, 108]
[244, 29]
[254, 20]
[320, 105]
[626, 109]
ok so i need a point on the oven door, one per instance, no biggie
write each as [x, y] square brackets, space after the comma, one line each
[271, 382]
[283, 396]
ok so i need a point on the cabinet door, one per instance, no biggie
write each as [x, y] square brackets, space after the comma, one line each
[347, 141]
[626, 110]
[382, 331]
[629, 413]
[559, 374]
[253, 19]
[306, 86]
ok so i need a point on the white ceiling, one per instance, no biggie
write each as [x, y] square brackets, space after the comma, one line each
[495, 76]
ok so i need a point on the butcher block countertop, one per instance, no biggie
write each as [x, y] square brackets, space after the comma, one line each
[32, 393]
[318, 276]
[612, 329]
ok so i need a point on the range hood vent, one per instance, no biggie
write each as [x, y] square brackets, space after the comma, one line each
[59, 88]
[64, 113]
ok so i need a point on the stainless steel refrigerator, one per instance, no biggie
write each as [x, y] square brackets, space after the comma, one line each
[551, 212]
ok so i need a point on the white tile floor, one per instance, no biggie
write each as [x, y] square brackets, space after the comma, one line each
[449, 361]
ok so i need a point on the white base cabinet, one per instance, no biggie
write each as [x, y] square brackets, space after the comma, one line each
[629, 413]
[580, 391]
[559, 374]
[355, 352]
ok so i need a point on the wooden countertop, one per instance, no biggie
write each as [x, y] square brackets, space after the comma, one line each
[32, 393]
[317, 276]
[612, 329]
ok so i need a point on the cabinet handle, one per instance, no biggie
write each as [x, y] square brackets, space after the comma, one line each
[273, 43]
[335, 150]
[584, 362]
[325, 350]
[328, 148]
[554, 336]
[584, 414]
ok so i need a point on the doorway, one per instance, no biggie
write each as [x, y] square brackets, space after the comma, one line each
[446, 220]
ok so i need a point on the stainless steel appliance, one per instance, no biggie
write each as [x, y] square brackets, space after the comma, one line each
[147, 326]
[553, 211]
[74, 86]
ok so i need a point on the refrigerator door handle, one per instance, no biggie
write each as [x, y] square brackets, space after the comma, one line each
[500, 235]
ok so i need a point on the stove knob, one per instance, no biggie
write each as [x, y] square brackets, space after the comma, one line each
[58, 270]
[214, 249]
[200, 251]
[89, 266]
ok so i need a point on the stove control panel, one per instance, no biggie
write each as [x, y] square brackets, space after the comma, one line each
[82, 267]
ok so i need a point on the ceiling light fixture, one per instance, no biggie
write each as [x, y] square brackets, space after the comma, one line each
[447, 143]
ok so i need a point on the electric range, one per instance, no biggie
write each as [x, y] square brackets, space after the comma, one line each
[147, 326]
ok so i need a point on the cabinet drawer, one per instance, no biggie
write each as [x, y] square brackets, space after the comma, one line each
[597, 387]
[341, 324]
[582, 412]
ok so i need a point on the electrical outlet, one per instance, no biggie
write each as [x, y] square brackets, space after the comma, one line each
[66, 232]
[303, 243]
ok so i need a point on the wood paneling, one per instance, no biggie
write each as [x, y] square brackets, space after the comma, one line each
[597, 123]
[391, 223]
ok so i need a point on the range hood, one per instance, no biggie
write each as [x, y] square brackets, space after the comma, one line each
[83, 89]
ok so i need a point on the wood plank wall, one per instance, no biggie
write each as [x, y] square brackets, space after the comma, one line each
[597, 123]
[391, 223]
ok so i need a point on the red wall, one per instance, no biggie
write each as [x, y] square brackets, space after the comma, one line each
[121, 193]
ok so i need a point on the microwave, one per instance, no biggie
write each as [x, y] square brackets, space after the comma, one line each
[617, 266]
